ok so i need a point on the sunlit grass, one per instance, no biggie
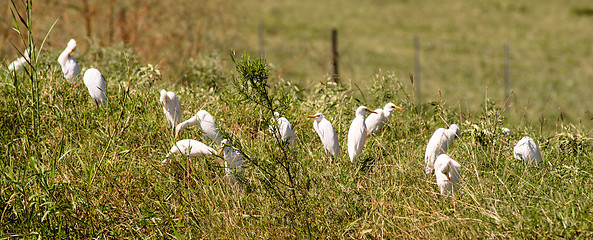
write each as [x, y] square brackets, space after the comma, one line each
[71, 170]
[98, 173]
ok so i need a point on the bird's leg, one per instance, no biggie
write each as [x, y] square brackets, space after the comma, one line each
[368, 133]
[328, 156]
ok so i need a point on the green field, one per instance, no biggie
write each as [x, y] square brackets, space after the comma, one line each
[461, 44]
[71, 170]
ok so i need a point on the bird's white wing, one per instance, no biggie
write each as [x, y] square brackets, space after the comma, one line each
[17, 64]
[208, 125]
[197, 148]
[434, 146]
[535, 154]
[173, 109]
[356, 137]
[330, 138]
[317, 130]
[432, 149]
[71, 69]
[176, 110]
[372, 122]
[454, 173]
[286, 131]
[521, 150]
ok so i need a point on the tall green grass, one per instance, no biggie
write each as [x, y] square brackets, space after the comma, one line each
[71, 170]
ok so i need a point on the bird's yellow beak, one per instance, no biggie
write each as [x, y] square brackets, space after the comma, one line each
[397, 108]
[311, 116]
[448, 178]
[219, 152]
[372, 111]
[176, 136]
[165, 104]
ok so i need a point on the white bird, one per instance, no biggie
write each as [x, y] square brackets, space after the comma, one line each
[284, 128]
[527, 151]
[507, 132]
[171, 107]
[96, 85]
[447, 174]
[69, 65]
[357, 134]
[20, 62]
[233, 160]
[375, 121]
[327, 134]
[438, 144]
[206, 123]
[190, 148]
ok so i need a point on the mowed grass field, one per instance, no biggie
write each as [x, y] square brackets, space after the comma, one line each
[71, 170]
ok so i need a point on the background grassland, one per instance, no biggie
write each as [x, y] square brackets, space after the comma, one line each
[70, 170]
[461, 43]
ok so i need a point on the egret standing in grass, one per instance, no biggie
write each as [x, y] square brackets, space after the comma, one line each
[69, 65]
[191, 148]
[171, 107]
[447, 174]
[375, 121]
[287, 135]
[357, 134]
[527, 151]
[438, 144]
[206, 123]
[233, 160]
[327, 134]
[96, 85]
[19, 63]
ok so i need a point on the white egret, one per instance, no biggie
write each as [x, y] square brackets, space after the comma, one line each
[20, 62]
[527, 151]
[233, 160]
[69, 65]
[357, 134]
[206, 123]
[171, 107]
[96, 85]
[507, 132]
[447, 174]
[190, 148]
[438, 144]
[327, 134]
[284, 128]
[375, 121]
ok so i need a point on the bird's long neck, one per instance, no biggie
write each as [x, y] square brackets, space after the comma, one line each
[451, 134]
[360, 115]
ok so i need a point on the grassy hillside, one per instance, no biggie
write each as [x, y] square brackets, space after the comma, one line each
[71, 170]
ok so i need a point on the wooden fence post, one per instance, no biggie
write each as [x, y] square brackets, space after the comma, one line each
[334, 38]
[507, 77]
[417, 72]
